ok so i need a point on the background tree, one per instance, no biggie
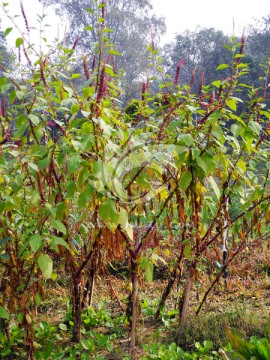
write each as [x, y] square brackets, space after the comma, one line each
[130, 25]
[203, 50]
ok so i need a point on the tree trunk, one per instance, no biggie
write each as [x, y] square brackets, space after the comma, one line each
[29, 339]
[76, 309]
[166, 292]
[88, 292]
[183, 306]
[135, 303]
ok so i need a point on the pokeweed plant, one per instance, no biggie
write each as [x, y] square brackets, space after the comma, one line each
[80, 186]
[52, 142]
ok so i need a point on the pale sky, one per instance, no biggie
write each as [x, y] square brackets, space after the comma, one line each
[230, 16]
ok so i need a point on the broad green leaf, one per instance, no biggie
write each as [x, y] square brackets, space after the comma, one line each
[58, 225]
[242, 165]
[3, 313]
[70, 188]
[35, 242]
[19, 42]
[206, 162]
[89, 10]
[187, 252]
[214, 186]
[48, 350]
[2, 206]
[35, 198]
[20, 95]
[73, 163]
[148, 267]
[60, 241]
[85, 196]
[69, 90]
[231, 103]
[222, 66]
[185, 180]
[38, 299]
[108, 213]
[33, 118]
[235, 117]
[113, 52]
[76, 76]
[46, 265]
[8, 31]
[255, 127]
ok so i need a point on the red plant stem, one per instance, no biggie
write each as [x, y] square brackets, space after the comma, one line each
[167, 119]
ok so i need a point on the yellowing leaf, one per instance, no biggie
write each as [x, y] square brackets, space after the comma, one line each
[46, 265]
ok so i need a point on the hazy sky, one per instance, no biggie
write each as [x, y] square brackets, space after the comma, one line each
[230, 16]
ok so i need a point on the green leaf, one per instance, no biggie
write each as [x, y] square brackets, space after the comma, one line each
[85, 196]
[2, 206]
[255, 127]
[231, 103]
[3, 313]
[63, 327]
[214, 186]
[108, 213]
[185, 180]
[19, 42]
[33, 118]
[60, 241]
[75, 76]
[8, 31]
[48, 350]
[222, 66]
[206, 162]
[46, 265]
[84, 344]
[113, 52]
[35, 198]
[187, 252]
[91, 11]
[148, 267]
[38, 299]
[58, 225]
[35, 242]
[70, 188]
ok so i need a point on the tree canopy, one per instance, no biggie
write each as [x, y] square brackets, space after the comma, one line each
[128, 26]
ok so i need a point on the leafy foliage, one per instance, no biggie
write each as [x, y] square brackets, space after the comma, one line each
[81, 187]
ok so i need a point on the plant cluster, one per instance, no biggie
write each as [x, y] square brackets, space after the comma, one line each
[82, 188]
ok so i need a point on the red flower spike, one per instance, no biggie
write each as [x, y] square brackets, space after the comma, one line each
[25, 18]
[94, 63]
[176, 78]
[102, 84]
[152, 41]
[201, 83]
[26, 55]
[143, 90]
[86, 70]
[19, 54]
[42, 74]
[75, 43]
[103, 12]
[241, 48]
[242, 45]
[193, 76]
